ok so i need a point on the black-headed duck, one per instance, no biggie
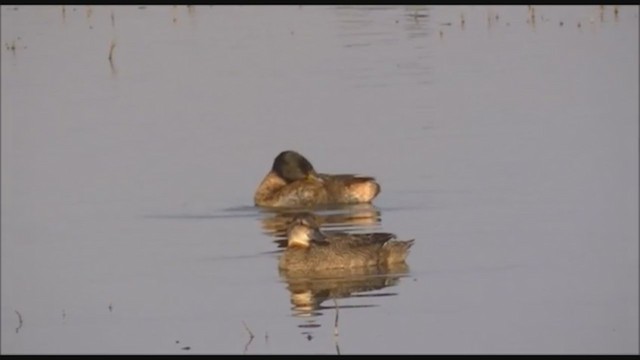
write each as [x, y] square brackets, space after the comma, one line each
[293, 182]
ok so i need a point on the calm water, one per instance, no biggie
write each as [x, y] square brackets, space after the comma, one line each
[506, 144]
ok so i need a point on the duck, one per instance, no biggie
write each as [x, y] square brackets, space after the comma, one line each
[293, 182]
[309, 249]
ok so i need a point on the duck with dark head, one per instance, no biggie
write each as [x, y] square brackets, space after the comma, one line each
[293, 182]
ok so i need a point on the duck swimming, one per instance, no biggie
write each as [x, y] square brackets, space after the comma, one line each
[293, 182]
[309, 249]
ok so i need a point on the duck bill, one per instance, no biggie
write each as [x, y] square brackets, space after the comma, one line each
[317, 236]
[314, 176]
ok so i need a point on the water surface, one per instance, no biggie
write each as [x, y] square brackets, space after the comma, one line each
[505, 140]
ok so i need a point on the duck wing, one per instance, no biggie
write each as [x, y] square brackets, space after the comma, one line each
[357, 240]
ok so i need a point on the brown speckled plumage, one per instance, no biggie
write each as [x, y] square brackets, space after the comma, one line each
[318, 251]
[293, 182]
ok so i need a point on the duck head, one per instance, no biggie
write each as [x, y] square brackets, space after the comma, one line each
[292, 166]
[303, 230]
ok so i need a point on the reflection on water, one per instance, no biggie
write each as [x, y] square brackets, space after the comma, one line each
[308, 291]
[416, 22]
[358, 217]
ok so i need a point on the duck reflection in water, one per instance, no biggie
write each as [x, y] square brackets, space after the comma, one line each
[309, 290]
[360, 217]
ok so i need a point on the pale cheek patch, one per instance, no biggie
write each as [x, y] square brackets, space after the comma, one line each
[298, 238]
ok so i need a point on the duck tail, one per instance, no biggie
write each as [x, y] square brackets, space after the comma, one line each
[398, 250]
[365, 187]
